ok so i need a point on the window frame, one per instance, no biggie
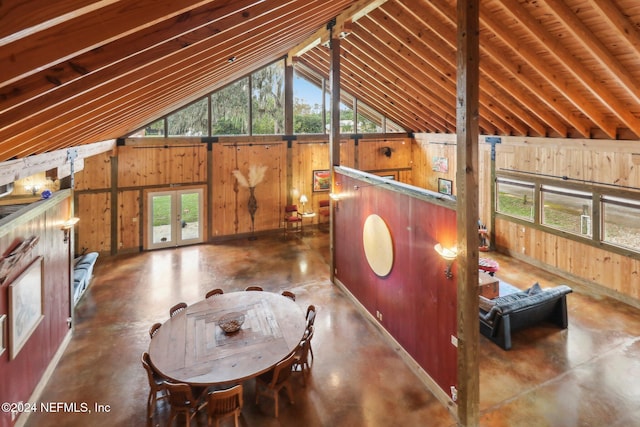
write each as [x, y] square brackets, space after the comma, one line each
[599, 194]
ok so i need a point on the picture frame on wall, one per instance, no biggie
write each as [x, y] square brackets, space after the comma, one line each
[445, 186]
[26, 305]
[321, 180]
[3, 334]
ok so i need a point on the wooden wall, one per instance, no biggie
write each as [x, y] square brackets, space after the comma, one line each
[606, 162]
[416, 301]
[20, 376]
[110, 190]
[600, 161]
[113, 217]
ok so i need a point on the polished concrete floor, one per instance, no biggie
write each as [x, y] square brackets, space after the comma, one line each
[587, 375]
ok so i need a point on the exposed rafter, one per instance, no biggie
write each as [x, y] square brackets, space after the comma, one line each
[81, 71]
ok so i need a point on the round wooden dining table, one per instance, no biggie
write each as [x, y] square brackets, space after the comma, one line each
[191, 348]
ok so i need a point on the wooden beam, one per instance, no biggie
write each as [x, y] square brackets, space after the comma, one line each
[619, 22]
[494, 65]
[586, 78]
[139, 48]
[543, 69]
[13, 170]
[182, 65]
[350, 15]
[436, 46]
[21, 18]
[596, 48]
[334, 140]
[79, 34]
[467, 182]
[359, 81]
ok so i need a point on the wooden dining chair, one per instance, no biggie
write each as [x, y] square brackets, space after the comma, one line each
[183, 401]
[301, 356]
[157, 389]
[213, 292]
[224, 403]
[270, 383]
[153, 330]
[311, 315]
[253, 288]
[177, 308]
[289, 294]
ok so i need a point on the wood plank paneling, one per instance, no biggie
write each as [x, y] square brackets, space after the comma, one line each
[415, 293]
[230, 213]
[96, 173]
[161, 164]
[21, 375]
[129, 220]
[371, 155]
[94, 228]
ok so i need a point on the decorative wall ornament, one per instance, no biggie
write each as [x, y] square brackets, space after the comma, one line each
[26, 305]
[17, 251]
[256, 175]
[378, 245]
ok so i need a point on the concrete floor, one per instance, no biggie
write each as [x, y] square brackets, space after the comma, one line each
[586, 375]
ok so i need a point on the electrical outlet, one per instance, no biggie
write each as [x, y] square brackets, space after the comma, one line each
[454, 341]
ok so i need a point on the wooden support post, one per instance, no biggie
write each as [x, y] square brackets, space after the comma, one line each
[467, 211]
[288, 127]
[288, 98]
[334, 139]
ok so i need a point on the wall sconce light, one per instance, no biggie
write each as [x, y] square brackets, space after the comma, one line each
[335, 197]
[303, 200]
[449, 255]
[67, 226]
[33, 188]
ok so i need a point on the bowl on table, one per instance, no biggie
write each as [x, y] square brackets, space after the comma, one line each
[231, 322]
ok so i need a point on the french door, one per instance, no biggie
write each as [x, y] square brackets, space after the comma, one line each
[174, 218]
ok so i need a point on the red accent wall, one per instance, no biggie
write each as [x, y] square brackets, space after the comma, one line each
[20, 376]
[417, 302]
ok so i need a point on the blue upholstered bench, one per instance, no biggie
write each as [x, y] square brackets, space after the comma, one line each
[82, 273]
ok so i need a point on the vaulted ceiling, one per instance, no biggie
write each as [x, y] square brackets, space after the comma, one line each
[76, 72]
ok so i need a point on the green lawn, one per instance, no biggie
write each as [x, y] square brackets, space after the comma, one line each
[161, 209]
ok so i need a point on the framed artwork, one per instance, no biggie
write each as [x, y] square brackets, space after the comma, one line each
[445, 186]
[3, 340]
[26, 306]
[322, 180]
[440, 164]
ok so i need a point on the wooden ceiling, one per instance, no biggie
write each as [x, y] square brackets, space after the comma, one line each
[76, 72]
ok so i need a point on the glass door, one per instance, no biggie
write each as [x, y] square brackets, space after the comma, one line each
[174, 218]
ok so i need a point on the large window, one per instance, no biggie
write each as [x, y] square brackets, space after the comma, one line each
[566, 210]
[307, 105]
[620, 225]
[267, 100]
[593, 214]
[369, 120]
[254, 105]
[515, 198]
[154, 129]
[192, 120]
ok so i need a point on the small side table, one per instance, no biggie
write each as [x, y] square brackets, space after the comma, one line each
[306, 215]
[489, 285]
